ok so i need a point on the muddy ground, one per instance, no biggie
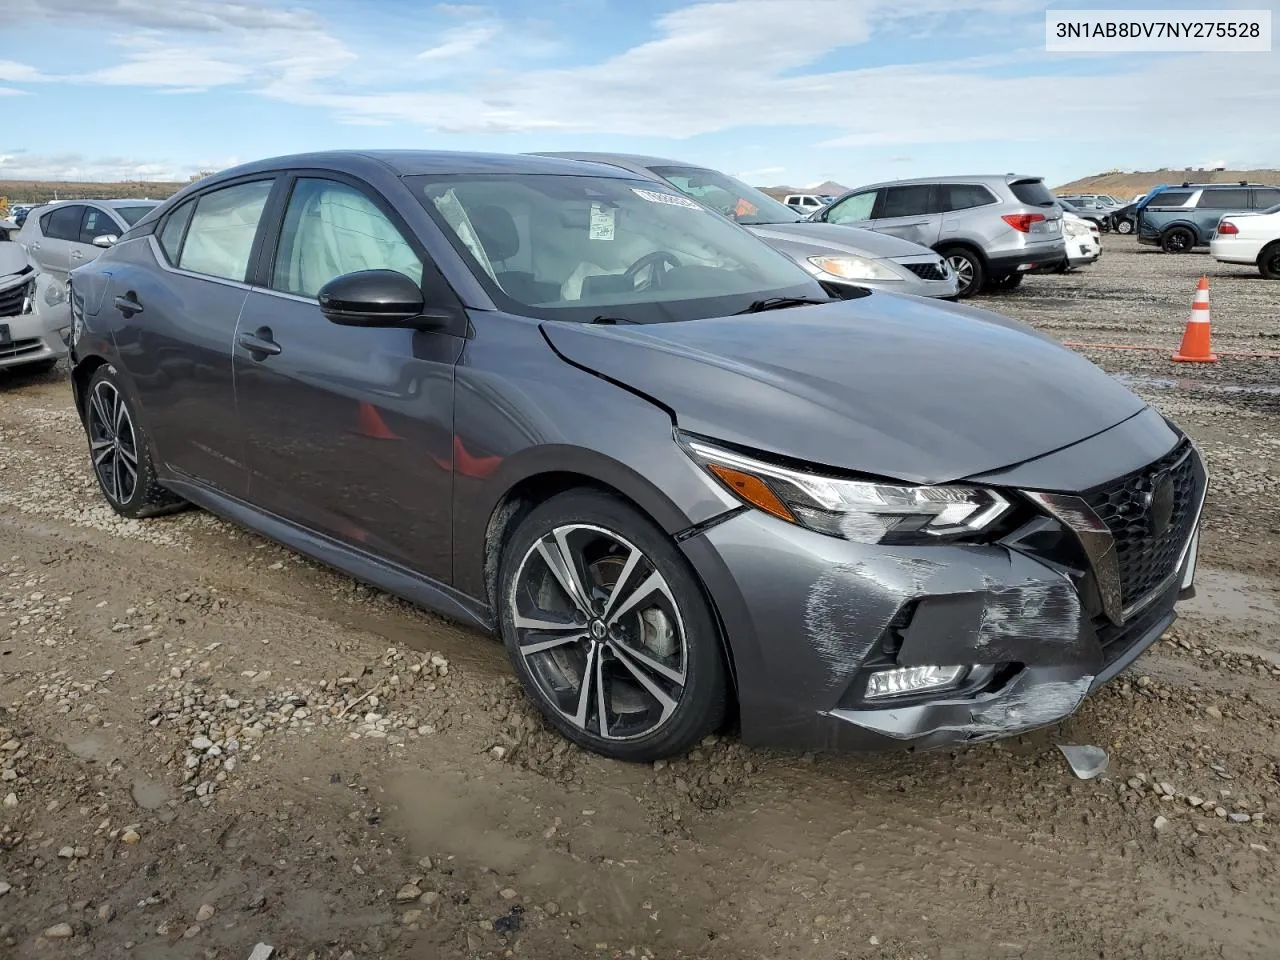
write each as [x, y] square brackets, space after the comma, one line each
[207, 743]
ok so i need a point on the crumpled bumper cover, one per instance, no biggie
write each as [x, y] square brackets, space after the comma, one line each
[805, 612]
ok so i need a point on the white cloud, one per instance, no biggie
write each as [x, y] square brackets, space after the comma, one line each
[708, 67]
[460, 42]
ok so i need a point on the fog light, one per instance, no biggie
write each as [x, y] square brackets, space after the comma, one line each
[892, 683]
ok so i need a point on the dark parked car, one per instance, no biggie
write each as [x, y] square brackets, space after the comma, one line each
[1179, 219]
[577, 408]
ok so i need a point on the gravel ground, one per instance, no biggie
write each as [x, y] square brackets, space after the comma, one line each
[208, 744]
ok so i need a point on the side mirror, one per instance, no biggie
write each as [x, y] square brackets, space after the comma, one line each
[105, 240]
[371, 298]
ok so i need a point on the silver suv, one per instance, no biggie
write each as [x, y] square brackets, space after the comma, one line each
[63, 235]
[991, 229]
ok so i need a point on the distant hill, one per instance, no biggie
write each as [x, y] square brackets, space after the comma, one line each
[1126, 185]
[42, 191]
[829, 187]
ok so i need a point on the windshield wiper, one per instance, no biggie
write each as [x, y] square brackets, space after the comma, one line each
[611, 320]
[780, 303]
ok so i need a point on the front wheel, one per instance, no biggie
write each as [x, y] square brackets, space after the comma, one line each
[1124, 227]
[608, 629]
[119, 450]
[1269, 262]
[967, 266]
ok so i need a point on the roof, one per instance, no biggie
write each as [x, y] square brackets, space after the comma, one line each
[408, 163]
[636, 162]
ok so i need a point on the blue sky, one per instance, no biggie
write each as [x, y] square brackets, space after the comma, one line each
[779, 91]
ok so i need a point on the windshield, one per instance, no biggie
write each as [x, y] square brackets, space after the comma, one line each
[580, 248]
[132, 215]
[724, 194]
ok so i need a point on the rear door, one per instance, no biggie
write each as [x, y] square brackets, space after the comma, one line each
[60, 228]
[909, 211]
[349, 429]
[178, 320]
[1216, 204]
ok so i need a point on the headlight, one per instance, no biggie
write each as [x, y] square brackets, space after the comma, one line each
[864, 511]
[854, 268]
[1074, 229]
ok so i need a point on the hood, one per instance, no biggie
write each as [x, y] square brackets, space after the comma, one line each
[13, 260]
[827, 238]
[894, 386]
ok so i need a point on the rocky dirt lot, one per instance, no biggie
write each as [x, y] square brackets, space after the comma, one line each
[208, 743]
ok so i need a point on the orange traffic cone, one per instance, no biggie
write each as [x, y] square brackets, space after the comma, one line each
[372, 425]
[1195, 339]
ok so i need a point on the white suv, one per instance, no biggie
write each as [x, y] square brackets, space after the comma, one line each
[63, 235]
[807, 202]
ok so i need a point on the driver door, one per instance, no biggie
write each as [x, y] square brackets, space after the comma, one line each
[348, 430]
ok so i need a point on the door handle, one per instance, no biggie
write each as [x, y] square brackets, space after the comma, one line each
[77, 255]
[259, 343]
[129, 304]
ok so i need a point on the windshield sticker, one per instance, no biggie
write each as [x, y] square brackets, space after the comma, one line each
[653, 196]
[601, 222]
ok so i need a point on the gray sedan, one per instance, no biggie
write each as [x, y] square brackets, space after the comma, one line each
[845, 256]
[571, 406]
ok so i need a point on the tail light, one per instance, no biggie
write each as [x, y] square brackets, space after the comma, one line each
[1226, 229]
[1022, 221]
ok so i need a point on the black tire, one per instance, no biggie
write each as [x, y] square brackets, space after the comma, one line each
[598, 532]
[1269, 261]
[1178, 240]
[968, 268]
[1006, 281]
[120, 451]
[1124, 227]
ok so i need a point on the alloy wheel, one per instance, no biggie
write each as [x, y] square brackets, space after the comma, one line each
[963, 268]
[112, 443]
[1124, 227]
[600, 632]
[1271, 262]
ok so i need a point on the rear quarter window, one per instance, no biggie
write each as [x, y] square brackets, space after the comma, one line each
[1032, 192]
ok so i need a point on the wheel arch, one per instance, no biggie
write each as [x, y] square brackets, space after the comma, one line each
[81, 374]
[1183, 225]
[537, 486]
[942, 246]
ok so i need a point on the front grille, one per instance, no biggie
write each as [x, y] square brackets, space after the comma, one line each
[926, 271]
[18, 348]
[1146, 557]
[11, 299]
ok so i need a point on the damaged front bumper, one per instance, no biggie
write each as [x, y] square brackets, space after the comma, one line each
[810, 618]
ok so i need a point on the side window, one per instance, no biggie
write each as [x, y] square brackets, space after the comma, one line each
[175, 225]
[1170, 198]
[964, 196]
[97, 223]
[912, 201]
[1266, 198]
[63, 223]
[220, 238]
[854, 209]
[331, 229]
[1224, 200]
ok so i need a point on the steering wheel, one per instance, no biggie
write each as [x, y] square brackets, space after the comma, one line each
[654, 260]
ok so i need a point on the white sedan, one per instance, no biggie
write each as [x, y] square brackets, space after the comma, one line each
[1250, 238]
